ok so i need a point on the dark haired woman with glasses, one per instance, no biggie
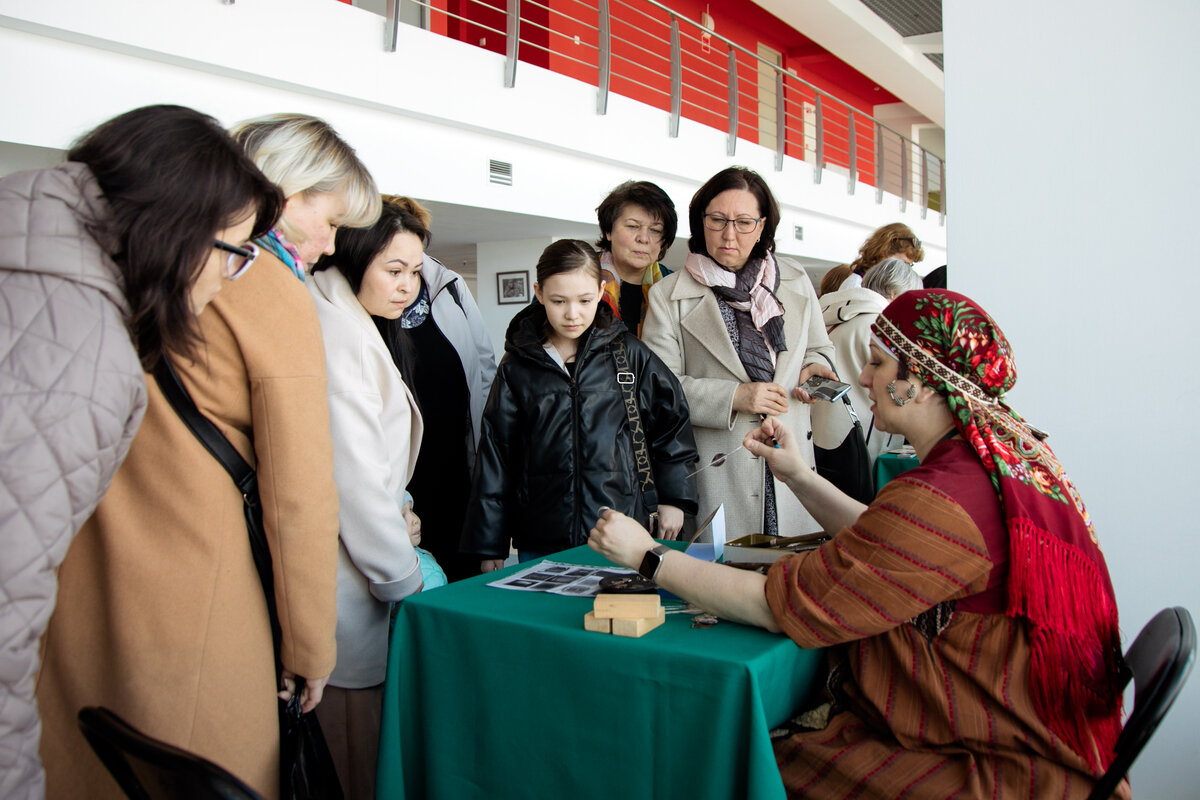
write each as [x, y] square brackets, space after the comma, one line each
[105, 261]
[637, 227]
[742, 332]
[161, 613]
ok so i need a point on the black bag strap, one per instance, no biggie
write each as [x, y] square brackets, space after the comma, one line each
[243, 476]
[846, 399]
[641, 455]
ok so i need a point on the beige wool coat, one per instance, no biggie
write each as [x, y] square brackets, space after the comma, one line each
[160, 614]
[684, 327]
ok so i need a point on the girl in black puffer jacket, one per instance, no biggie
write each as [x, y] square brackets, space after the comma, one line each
[557, 442]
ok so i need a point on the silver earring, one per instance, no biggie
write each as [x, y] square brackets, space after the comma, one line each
[891, 390]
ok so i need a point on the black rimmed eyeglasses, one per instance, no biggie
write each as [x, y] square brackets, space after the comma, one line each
[240, 258]
[716, 222]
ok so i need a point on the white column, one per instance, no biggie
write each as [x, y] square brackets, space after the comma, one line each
[1073, 167]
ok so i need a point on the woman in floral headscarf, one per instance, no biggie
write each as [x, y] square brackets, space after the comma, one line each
[968, 610]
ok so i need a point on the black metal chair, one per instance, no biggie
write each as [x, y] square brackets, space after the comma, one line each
[1160, 660]
[147, 769]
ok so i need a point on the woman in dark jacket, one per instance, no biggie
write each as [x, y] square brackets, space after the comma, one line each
[556, 440]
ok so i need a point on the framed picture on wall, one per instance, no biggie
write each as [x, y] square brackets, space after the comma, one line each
[512, 288]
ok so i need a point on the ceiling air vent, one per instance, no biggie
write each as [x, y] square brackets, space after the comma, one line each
[500, 172]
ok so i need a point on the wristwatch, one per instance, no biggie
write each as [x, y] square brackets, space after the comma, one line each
[652, 561]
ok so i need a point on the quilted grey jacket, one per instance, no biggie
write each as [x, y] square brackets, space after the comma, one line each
[72, 394]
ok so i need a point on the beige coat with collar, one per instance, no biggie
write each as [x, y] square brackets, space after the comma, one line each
[377, 431]
[684, 327]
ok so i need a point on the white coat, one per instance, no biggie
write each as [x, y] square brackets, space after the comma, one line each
[684, 327]
[848, 314]
[377, 429]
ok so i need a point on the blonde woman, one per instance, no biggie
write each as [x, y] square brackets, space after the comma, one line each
[161, 613]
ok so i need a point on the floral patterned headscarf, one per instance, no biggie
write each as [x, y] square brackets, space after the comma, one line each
[1058, 581]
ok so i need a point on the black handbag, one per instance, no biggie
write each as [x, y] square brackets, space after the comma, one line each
[848, 466]
[306, 769]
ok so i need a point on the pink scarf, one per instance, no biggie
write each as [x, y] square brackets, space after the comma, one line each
[762, 304]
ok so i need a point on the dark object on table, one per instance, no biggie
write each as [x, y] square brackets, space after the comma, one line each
[1159, 660]
[757, 548]
[148, 769]
[626, 584]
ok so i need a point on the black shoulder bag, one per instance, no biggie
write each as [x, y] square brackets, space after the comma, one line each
[641, 455]
[848, 466]
[306, 770]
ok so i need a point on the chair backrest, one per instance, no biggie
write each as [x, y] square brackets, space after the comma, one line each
[1160, 660]
[148, 769]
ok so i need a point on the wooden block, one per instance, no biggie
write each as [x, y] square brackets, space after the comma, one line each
[626, 606]
[592, 623]
[638, 627]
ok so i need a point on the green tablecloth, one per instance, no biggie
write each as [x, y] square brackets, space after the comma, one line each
[889, 465]
[495, 693]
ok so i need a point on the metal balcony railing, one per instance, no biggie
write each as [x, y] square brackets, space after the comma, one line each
[645, 50]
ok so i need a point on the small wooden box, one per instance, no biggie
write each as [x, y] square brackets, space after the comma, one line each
[592, 623]
[634, 628]
[626, 606]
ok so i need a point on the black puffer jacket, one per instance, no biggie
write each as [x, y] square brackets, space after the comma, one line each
[554, 449]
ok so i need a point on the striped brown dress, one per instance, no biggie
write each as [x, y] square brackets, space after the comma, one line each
[930, 677]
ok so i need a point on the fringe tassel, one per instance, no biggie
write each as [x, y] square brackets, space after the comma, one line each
[1077, 661]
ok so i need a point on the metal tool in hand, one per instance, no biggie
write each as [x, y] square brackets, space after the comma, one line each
[717, 460]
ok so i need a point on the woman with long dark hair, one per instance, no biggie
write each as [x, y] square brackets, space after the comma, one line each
[105, 261]
[373, 278]
[442, 349]
[558, 439]
[162, 616]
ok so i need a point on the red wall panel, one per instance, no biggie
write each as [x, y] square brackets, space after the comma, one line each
[561, 35]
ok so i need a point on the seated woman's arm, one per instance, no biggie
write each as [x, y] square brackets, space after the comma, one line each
[733, 594]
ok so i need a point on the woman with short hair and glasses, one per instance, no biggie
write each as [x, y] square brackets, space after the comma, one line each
[637, 227]
[742, 332]
[162, 615]
[105, 260]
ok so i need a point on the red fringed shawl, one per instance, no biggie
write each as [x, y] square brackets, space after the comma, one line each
[1058, 581]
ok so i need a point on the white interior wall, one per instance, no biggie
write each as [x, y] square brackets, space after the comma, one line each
[494, 257]
[1108, 370]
